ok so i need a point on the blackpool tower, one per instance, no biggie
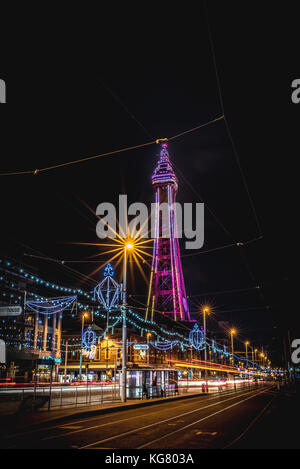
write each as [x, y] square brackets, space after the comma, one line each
[166, 288]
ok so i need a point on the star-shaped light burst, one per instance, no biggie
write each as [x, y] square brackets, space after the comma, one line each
[132, 243]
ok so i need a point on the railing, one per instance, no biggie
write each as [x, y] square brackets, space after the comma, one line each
[61, 396]
[48, 397]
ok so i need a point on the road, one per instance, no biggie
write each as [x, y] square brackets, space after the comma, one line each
[208, 421]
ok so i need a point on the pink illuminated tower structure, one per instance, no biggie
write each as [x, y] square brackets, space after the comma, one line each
[166, 289]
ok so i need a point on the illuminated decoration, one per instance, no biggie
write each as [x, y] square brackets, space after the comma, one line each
[51, 306]
[164, 346]
[90, 353]
[108, 291]
[108, 271]
[166, 288]
[89, 338]
[46, 283]
[196, 337]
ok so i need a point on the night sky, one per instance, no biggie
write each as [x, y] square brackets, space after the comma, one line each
[74, 80]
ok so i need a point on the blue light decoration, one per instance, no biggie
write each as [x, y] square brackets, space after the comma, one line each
[50, 306]
[164, 346]
[108, 291]
[109, 271]
[196, 337]
[89, 338]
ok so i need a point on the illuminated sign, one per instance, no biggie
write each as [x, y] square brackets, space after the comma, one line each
[141, 347]
[2, 352]
[10, 310]
[51, 360]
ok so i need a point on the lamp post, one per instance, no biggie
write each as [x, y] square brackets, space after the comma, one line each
[205, 311]
[232, 333]
[252, 349]
[128, 247]
[85, 315]
[148, 351]
[246, 345]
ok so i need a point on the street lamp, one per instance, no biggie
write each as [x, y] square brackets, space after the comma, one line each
[232, 333]
[148, 351]
[205, 310]
[127, 247]
[252, 352]
[246, 345]
[85, 315]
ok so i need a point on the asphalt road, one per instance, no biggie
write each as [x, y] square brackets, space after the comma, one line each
[211, 421]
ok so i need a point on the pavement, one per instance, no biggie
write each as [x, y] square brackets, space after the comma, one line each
[191, 422]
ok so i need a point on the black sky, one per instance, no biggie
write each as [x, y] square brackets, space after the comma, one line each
[58, 66]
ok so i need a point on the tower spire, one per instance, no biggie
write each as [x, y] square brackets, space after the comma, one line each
[166, 289]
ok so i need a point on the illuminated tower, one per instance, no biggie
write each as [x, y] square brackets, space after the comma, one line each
[166, 290]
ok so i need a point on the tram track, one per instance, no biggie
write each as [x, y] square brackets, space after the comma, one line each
[68, 422]
[250, 394]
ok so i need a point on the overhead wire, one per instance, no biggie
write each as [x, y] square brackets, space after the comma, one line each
[110, 153]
